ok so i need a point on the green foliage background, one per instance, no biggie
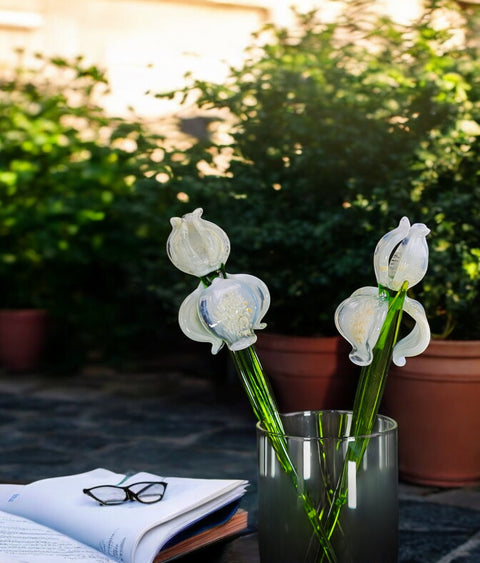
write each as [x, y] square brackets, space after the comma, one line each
[338, 129]
[318, 144]
[82, 218]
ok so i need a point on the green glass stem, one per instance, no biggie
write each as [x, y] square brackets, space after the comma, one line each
[259, 392]
[373, 377]
[368, 397]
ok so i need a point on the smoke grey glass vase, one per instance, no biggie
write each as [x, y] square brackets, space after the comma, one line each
[367, 526]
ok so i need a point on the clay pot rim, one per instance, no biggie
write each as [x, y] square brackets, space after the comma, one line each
[24, 312]
[453, 348]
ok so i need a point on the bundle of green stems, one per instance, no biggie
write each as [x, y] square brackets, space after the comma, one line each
[324, 520]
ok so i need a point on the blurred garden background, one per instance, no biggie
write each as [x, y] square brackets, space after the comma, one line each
[306, 133]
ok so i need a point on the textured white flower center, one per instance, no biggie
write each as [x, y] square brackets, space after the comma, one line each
[235, 313]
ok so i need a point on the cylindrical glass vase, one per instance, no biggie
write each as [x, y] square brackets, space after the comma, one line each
[361, 498]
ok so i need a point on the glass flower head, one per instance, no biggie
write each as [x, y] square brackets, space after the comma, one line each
[400, 256]
[225, 309]
[196, 246]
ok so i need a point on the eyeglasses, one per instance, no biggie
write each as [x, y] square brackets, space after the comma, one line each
[146, 492]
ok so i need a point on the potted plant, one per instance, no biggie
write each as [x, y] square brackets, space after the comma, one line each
[331, 141]
[444, 384]
[336, 128]
[436, 396]
[80, 213]
[439, 188]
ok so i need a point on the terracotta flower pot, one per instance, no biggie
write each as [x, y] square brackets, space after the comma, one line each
[308, 373]
[22, 337]
[435, 399]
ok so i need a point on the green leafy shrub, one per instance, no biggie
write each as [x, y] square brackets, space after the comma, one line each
[81, 214]
[336, 129]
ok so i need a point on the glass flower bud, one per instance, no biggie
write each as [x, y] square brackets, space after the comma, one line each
[401, 255]
[228, 310]
[196, 246]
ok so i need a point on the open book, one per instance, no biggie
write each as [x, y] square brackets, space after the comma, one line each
[53, 521]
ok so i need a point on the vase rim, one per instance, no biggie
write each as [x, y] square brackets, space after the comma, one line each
[390, 426]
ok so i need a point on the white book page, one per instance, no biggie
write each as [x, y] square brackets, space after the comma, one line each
[23, 541]
[60, 504]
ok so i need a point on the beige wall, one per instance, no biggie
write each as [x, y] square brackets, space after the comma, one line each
[146, 44]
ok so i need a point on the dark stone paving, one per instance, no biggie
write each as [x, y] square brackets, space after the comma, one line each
[178, 422]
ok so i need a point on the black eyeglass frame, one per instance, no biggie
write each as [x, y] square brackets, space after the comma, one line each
[129, 494]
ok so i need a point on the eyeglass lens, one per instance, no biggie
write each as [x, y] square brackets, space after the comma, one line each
[148, 492]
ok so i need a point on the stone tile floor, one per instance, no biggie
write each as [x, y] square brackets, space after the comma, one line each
[173, 420]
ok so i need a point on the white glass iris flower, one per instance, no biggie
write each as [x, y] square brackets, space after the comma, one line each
[227, 309]
[401, 255]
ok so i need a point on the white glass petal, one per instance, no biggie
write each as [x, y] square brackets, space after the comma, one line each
[191, 323]
[230, 308]
[386, 245]
[418, 339]
[196, 246]
[410, 260]
[359, 320]
[262, 293]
